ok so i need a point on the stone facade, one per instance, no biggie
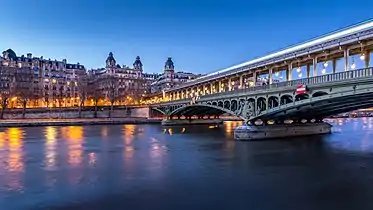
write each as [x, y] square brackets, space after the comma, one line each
[53, 83]
[126, 84]
[170, 78]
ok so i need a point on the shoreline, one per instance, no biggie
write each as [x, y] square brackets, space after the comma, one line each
[76, 121]
[37, 122]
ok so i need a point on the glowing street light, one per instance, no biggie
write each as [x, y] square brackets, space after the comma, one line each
[323, 71]
[299, 69]
[326, 64]
[353, 65]
[362, 56]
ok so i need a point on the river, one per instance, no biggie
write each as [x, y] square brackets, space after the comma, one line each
[200, 167]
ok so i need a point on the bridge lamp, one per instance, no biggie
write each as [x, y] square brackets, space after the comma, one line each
[323, 71]
[277, 73]
[353, 65]
[326, 64]
[300, 75]
[299, 69]
[362, 56]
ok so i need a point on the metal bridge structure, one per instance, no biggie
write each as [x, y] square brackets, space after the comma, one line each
[325, 76]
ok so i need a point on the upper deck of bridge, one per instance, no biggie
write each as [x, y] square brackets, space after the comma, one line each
[352, 34]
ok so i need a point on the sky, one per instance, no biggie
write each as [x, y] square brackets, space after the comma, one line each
[201, 36]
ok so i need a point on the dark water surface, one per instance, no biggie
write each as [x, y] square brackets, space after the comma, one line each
[148, 167]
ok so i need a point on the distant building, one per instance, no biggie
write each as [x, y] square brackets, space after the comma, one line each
[170, 78]
[54, 82]
[132, 83]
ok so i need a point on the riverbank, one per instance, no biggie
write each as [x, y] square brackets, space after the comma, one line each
[75, 121]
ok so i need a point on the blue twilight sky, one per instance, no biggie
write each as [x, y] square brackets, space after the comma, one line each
[200, 35]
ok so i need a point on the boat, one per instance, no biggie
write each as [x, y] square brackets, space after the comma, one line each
[255, 132]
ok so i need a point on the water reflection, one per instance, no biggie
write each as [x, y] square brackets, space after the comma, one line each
[15, 137]
[128, 133]
[231, 125]
[12, 162]
[352, 135]
[134, 158]
[75, 148]
[50, 134]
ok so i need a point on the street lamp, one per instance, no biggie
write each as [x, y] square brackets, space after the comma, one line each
[362, 56]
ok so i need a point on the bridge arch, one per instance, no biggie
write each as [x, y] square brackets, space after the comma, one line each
[201, 110]
[261, 104]
[286, 99]
[273, 102]
[227, 104]
[301, 97]
[220, 104]
[158, 110]
[234, 105]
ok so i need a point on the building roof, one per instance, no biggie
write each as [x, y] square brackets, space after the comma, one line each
[137, 61]
[169, 63]
[11, 54]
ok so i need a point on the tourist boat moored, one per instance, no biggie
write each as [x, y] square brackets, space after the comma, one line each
[252, 132]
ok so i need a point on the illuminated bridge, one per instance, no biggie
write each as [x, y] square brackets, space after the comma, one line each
[335, 69]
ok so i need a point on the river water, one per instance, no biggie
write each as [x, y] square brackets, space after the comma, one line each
[200, 167]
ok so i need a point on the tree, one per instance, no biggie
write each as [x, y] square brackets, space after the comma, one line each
[6, 87]
[95, 93]
[24, 86]
[112, 91]
[83, 91]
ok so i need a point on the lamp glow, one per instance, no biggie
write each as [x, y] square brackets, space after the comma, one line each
[326, 64]
[362, 57]
[353, 65]
[323, 71]
[299, 69]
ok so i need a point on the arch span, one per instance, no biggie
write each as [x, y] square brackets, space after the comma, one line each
[158, 110]
[320, 107]
[202, 110]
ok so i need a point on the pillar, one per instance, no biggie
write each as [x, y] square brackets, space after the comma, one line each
[334, 65]
[367, 58]
[315, 66]
[289, 72]
[346, 55]
[241, 81]
[219, 88]
[254, 78]
[308, 70]
[270, 75]
[230, 84]
[211, 87]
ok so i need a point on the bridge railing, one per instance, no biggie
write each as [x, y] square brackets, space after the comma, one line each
[339, 76]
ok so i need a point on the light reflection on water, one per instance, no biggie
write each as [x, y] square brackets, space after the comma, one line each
[85, 160]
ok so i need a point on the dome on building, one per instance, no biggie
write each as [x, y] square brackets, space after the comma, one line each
[10, 54]
[137, 62]
[110, 61]
[118, 66]
[169, 65]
